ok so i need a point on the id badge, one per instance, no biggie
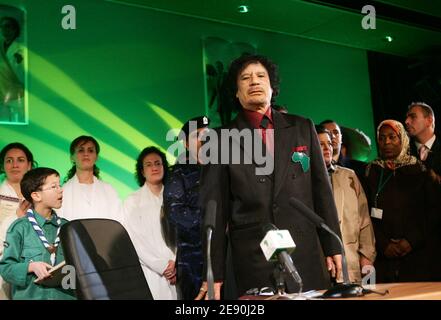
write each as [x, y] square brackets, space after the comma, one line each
[377, 213]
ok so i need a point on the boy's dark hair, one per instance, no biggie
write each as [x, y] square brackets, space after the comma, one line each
[240, 64]
[34, 179]
[16, 145]
[140, 166]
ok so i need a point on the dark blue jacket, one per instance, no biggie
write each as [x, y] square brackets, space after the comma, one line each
[183, 213]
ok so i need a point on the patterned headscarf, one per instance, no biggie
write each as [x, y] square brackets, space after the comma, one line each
[404, 158]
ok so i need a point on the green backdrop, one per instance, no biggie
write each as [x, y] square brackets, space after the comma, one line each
[127, 75]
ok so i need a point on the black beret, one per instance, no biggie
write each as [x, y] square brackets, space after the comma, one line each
[199, 122]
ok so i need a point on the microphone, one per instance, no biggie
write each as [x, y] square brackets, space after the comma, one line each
[345, 289]
[210, 224]
[278, 244]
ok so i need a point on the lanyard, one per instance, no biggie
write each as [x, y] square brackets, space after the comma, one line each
[381, 185]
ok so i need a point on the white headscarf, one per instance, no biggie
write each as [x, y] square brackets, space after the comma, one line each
[404, 158]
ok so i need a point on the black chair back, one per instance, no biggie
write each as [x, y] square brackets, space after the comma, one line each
[106, 263]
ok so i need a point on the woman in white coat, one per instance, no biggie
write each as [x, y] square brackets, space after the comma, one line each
[142, 210]
[15, 160]
[84, 194]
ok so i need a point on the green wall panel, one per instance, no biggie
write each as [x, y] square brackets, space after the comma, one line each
[127, 75]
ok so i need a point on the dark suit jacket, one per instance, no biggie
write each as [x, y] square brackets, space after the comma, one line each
[246, 202]
[433, 160]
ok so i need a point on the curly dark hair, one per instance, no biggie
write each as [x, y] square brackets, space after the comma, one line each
[241, 63]
[16, 145]
[78, 142]
[140, 166]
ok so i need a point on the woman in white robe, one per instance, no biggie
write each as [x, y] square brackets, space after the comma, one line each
[84, 195]
[15, 160]
[142, 210]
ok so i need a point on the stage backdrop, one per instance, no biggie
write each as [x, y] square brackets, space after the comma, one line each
[126, 75]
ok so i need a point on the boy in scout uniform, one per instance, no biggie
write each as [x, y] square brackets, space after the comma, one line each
[32, 243]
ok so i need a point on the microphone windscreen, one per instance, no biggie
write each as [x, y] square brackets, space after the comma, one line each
[306, 211]
[268, 227]
[210, 214]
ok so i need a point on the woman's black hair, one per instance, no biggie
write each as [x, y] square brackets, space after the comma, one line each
[16, 145]
[139, 176]
[74, 144]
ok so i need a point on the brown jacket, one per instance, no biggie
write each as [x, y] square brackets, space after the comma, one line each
[355, 222]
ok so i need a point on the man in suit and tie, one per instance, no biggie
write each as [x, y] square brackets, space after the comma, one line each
[420, 124]
[248, 199]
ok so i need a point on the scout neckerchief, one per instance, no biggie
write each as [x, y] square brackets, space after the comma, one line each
[52, 248]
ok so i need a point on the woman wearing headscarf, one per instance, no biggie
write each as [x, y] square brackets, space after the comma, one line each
[403, 202]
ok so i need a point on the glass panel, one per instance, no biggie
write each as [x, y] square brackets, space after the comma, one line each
[13, 60]
[218, 54]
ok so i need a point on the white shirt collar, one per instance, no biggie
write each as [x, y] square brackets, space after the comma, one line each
[429, 143]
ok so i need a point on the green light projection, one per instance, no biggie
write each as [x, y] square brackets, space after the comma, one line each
[67, 89]
[128, 75]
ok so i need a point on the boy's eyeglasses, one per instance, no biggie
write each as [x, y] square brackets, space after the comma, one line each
[53, 188]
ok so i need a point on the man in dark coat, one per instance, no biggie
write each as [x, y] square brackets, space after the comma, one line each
[183, 213]
[249, 196]
[425, 145]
